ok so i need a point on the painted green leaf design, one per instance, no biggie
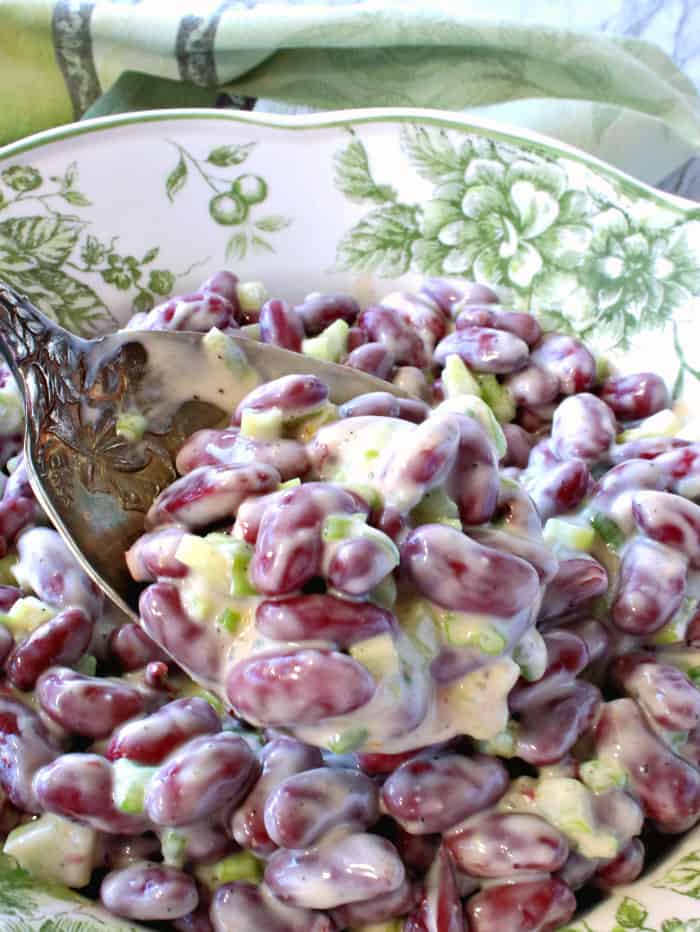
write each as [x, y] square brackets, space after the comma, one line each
[224, 156]
[432, 153]
[77, 199]
[22, 178]
[354, 178]
[672, 925]
[92, 252]
[68, 301]
[684, 877]
[237, 246]
[161, 281]
[176, 179]
[381, 241]
[631, 914]
[48, 240]
[258, 244]
[143, 302]
[150, 255]
[273, 223]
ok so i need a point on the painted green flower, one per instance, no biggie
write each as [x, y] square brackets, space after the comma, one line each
[161, 281]
[505, 224]
[637, 275]
[22, 178]
[122, 271]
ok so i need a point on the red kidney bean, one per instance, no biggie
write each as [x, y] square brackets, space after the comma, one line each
[420, 461]
[229, 448]
[152, 555]
[223, 283]
[62, 639]
[433, 793]
[25, 747]
[379, 909]
[680, 469]
[209, 494]
[417, 852]
[522, 325]
[577, 871]
[358, 565]
[666, 695]
[322, 618]
[198, 311]
[373, 358]
[281, 325]
[440, 910]
[583, 427]
[382, 404]
[197, 921]
[356, 339]
[156, 674]
[484, 349]
[536, 419]
[474, 483]
[413, 381]
[568, 360]
[547, 732]
[79, 786]
[308, 805]
[300, 688]
[280, 758]
[87, 705]
[567, 657]
[532, 386]
[623, 869]
[671, 520]
[499, 844]
[531, 906]
[542, 456]
[384, 326]
[518, 446]
[247, 907]
[461, 575]
[578, 581]
[319, 311]
[619, 812]
[533, 551]
[6, 644]
[50, 570]
[633, 397]
[8, 597]
[289, 545]
[194, 645]
[294, 395]
[666, 786]
[594, 635]
[646, 449]
[421, 313]
[561, 489]
[651, 587]
[132, 648]
[203, 775]
[351, 869]
[149, 891]
[615, 491]
[150, 740]
[447, 292]
[516, 511]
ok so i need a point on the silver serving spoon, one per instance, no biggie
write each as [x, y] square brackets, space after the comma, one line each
[93, 479]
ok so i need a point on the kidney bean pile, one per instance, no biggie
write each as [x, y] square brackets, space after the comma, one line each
[419, 664]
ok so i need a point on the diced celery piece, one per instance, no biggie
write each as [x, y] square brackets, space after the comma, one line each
[379, 655]
[131, 427]
[173, 845]
[530, 654]
[204, 557]
[241, 585]
[7, 563]
[230, 620]
[11, 408]
[339, 527]
[306, 428]
[262, 425]
[464, 630]
[251, 295]
[55, 850]
[567, 804]
[221, 560]
[561, 533]
[479, 700]
[130, 784]
[457, 378]
[222, 347]
[603, 368]
[290, 483]
[330, 345]
[435, 506]
[27, 614]
[673, 632]
[477, 408]
[664, 423]
[608, 530]
[693, 674]
[87, 665]
[602, 775]
[348, 741]
[497, 397]
[384, 595]
[188, 687]
[240, 866]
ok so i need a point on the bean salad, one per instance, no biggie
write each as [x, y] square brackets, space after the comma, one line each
[407, 664]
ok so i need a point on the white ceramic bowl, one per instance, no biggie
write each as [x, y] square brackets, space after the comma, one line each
[102, 218]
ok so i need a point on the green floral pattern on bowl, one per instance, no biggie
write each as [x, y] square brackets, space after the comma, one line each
[105, 218]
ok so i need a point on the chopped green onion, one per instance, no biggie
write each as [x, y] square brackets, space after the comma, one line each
[173, 845]
[566, 534]
[348, 741]
[338, 527]
[240, 583]
[240, 866]
[229, 620]
[608, 530]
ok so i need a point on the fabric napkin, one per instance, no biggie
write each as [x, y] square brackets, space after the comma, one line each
[619, 98]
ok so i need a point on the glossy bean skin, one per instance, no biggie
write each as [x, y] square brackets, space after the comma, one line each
[294, 395]
[199, 311]
[567, 657]
[381, 908]
[583, 427]
[373, 358]
[623, 869]
[412, 380]
[448, 292]
[229, 447]
[500, 844]
[349, 869]
[474, 482]
[615, 492]
[532, 386]
[62, 639]
[633, 397]
[209, 494]
[87, 705]
[461, 575]
[666, 695]
[223, 283]
[522, 325]
[322, 617]
[25, 747]
[280, 758]
[132, 648]
[432, 794]
[531, 906]
[648, 448]
[152, 555]
[421, 313]
[150, 740]
[319, 311]
[8, 597]
[671, 520]
[7, 642]
[381, 404]
[568, 360]
[680, 469]
[561, 489]
[578, 580]
[203, 775]
[518, 446]
[281, 325]
[384, 326]
[79, 786]
[666, 786]
[547, 732]
[533, 551]
[440, 909]
[247, 907]
[192, 644]
[149, 891]
[358, 565]
[356, 339]
[651, 587]
[484, 350]
[307, 806]
[300, 688]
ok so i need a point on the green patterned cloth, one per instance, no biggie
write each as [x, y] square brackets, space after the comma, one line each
[620, 98]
